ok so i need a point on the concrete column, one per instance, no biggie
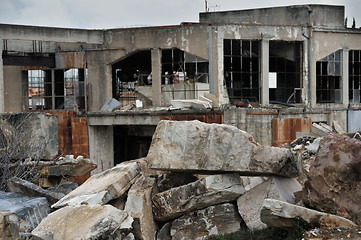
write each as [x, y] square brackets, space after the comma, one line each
[265, 72]
[2, 80]
[101, 147]
[156, 77]
[53, 89]
[345, 76]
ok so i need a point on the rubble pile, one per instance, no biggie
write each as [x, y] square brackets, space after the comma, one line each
[202, 180]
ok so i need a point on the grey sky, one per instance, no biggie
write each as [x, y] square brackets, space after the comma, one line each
[128, 13]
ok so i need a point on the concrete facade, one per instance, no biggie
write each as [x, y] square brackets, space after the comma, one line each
[297, 36]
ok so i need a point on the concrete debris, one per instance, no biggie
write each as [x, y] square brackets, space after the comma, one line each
[199, 147]
[250, 203]
[159, 197]
[29, 211]
[103, 187]
[110, 105]
[21, 129]
[18, 185]
[84, 222]
[279, 214]
[205, 192]
[312, 148]
[139, 207]
[191, 103]
[211, 221]
[320, 130]
[333, 183]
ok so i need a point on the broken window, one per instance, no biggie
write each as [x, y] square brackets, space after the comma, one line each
[285, 71]
[184, 76]
[328, 78]
[36, 83]
[132, 75]
[242, 69]
[65, 90]
[354, 76]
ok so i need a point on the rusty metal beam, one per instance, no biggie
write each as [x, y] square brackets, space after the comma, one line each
[47, 60]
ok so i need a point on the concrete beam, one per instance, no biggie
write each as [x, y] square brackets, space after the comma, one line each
[156, 77]
[51, 34]
[150, 120]
[2, 82]
[265, 72]
[345, 77]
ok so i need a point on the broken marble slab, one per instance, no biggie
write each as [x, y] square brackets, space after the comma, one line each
[279, 214]
[193, 146]
[84, 222]
[201, 224]
[103, 187]
[28, 210]
[18, 185]
[250, 203]
[204, 192]
[139, 207]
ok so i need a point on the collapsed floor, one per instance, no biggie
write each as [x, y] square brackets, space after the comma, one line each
[202, 180]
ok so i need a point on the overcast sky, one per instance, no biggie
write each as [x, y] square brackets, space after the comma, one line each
[103, 14]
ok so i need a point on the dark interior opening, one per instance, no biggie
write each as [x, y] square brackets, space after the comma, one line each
[285, 68]
[131, 142]
[132, 71]
[242, 69]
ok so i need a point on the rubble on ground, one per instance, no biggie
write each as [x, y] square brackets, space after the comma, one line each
[136, 200]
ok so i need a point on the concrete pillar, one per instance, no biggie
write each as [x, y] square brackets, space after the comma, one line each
[2, 81]
[265, 72]
[101, 147]
[345, 76]
[156, 77]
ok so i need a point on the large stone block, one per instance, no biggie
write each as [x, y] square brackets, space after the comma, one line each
[84, 222]
[334, 181]
[204, 192]
[201, 224]
[199, 147]
[139, 207]
[250, 203]
[28, 210]
[284, 215]
[28, 135]
[103, 187]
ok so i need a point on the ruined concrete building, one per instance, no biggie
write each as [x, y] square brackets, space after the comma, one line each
[303, 56]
